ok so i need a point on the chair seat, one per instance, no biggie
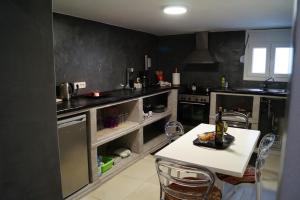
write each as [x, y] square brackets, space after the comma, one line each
[249, 177]
[216, 193]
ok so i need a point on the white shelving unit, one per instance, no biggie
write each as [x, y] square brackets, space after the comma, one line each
[130, 133]
[256, 109]
[124, 163]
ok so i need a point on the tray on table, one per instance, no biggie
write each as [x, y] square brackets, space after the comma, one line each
[228, 139]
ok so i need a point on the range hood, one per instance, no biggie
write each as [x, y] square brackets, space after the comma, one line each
[201, 54]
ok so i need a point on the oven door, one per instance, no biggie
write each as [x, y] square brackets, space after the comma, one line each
[193, 113]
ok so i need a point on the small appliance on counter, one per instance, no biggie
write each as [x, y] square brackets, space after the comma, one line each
[67, 90]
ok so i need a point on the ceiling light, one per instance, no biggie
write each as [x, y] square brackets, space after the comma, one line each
[175, 10]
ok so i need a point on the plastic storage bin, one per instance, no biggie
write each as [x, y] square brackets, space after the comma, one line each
[107, 164]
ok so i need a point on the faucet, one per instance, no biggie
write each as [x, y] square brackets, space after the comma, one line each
[267, 82]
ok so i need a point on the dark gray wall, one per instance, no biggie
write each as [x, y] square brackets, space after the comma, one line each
[98, 53]
[227, 47]
[29, 168]
[290, 178]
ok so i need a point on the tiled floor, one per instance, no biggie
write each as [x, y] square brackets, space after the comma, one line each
[140, 181]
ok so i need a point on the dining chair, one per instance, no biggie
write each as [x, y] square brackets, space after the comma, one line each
[193, 183]
[173, 130]
[253, 174]
[236, 119]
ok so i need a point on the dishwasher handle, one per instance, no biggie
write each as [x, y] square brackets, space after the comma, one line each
[71, 121]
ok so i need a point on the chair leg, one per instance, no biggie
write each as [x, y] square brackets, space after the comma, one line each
[162, 195]
[258, 190]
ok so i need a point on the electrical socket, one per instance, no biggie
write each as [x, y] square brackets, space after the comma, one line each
[80, 85]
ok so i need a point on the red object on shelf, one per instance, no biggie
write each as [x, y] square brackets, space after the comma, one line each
[160, 75]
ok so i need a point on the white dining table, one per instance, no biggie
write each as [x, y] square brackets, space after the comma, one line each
[231, 161]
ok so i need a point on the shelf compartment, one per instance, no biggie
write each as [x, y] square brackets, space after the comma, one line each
[108, 134]
[161, 99]
[153, 135]
[124, 163]
[243, 104]
[128, 141]
[156, 117]
[114, 115]
[155, 143]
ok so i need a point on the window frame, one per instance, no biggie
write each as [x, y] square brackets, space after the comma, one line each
[269, 39]
[272, 66]
[249, 74]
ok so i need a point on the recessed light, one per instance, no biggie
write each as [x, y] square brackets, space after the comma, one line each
[175, 10]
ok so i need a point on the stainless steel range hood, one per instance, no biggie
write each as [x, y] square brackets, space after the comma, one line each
[201, 55]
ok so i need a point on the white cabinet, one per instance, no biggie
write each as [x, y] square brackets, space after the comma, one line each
[266, 113]
[245, 103]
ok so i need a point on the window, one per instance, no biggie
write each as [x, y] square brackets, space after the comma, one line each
[268, 54]
[259, 60]
[282, 60]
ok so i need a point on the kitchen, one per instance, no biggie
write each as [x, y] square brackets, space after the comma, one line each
[100, 54]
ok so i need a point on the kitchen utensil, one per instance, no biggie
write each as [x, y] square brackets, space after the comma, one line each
[159, 108]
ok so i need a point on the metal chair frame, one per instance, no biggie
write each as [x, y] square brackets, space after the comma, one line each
[263, 152]
[168, 174]
[173, 130]
[244, 119]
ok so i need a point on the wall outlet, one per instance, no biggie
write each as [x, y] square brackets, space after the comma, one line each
[80, 85]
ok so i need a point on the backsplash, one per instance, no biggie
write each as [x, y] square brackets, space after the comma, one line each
[98, 53]
[227, 47]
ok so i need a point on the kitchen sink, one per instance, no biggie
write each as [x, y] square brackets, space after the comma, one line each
[261, 90]
[276, 90]
[249, 89]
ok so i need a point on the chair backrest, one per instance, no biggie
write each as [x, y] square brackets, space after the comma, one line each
[236, 119]
[173, 130]
[264, 149]
[184, 181]
[263, 152]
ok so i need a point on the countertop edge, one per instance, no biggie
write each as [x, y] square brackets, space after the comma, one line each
[120, 99]
[250, 92]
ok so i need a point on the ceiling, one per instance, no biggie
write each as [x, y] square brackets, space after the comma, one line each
[202, 15]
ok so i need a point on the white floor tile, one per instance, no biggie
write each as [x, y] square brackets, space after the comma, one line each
[89, 197]
[117, 188]
[147, 191]
[140, 181]
[142, 170]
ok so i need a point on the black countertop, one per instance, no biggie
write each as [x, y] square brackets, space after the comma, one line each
[82, 102]
[256, 91]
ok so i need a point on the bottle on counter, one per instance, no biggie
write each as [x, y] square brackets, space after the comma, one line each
[223, 81]
[176, 78]
[219, 129]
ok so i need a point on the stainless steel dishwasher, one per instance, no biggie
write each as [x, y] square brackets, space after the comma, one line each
[73, 154]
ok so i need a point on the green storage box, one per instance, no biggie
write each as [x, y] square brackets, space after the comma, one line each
[107, 164]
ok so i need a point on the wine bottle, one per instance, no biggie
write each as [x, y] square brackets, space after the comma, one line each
[219, 129]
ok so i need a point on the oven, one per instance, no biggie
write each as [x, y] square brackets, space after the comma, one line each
[193, 110]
